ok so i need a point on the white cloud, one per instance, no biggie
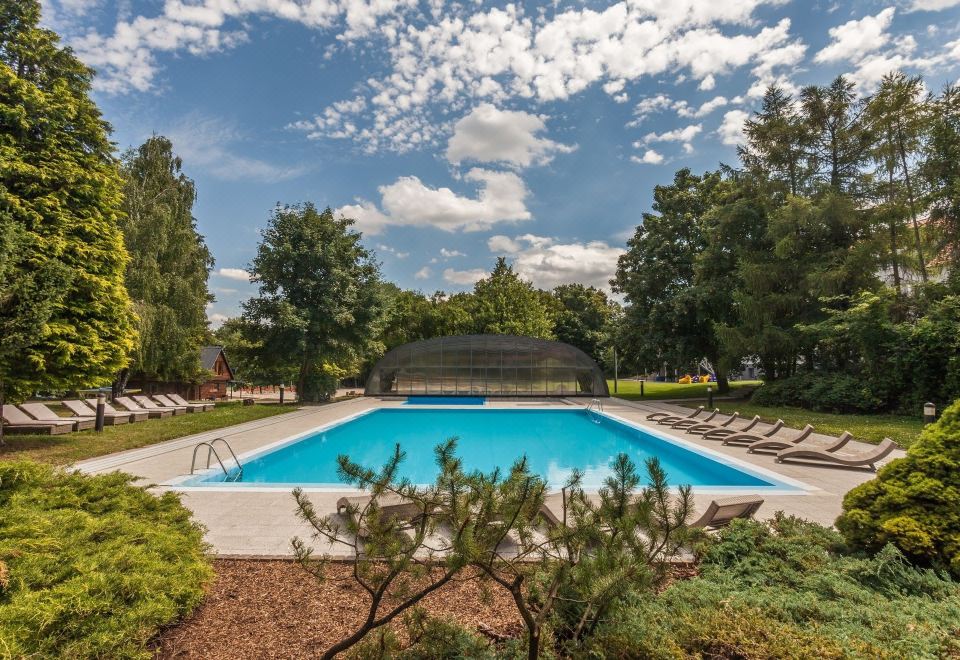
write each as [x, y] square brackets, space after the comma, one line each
[423, 273]
[449, 254]
[210, 144]
[490, 135]
[709, 106]
[854, 39]
[708, 83]
[731, 129]
[391, 250]
[649, 157]
[684, 134]
[216, 319]
[933, 5]
[409, 202]
[238, 274]
[464, 277]
[548, 263]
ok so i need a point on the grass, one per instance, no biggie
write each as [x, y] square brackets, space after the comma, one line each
[870, 428]
[72, 447]
[630, 390]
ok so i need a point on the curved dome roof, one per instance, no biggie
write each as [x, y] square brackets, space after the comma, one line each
[486, 365]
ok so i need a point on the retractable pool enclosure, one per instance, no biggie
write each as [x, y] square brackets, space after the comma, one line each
[486, 365]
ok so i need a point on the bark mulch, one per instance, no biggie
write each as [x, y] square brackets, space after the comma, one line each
[274, 609]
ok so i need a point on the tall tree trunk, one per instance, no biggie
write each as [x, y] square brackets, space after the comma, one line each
[2, 400]
[913, 208]
[894, 257]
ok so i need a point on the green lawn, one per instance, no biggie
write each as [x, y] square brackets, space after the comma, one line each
[869, 428]
[72, 447]
[630, 389]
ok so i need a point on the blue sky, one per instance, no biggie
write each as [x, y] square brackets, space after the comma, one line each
[457, 132]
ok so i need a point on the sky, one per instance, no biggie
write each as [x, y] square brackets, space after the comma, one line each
[454, 133]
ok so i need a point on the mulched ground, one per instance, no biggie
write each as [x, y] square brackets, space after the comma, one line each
[273, 609]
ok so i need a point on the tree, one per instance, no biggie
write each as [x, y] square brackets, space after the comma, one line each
[320, 303]
[941, 173]
[505, 304]
[63, 298]
[583, 318]
[839, 136]
[169, 264]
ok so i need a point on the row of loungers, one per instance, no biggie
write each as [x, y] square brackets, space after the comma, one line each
[39, 419]
[769, 442]
[404, 511]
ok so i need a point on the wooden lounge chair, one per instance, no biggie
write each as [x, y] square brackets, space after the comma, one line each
[166, 402]
[41, 413]
[15, 420]
[772, 443]
[720, 434]
[685, 422]
[392, 507]
[747, 439]
[700, 429]
[179, 400]
[722, 512]
[132, 406]
[657, 416]
[81, 409]
[867, 459]
[775, 445]
[148, 403]
[139, 415]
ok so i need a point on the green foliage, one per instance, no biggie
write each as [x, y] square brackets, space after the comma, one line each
[784, 589]
[60, 202]
[427, 639]
[320, 304]
[583, 318]
[169, 263]
[825, 392]
[505, 304]
[914, 502]
[95, 566]
[941, 174]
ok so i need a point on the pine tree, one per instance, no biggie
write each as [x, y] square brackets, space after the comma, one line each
[941, 173]
[63, 299]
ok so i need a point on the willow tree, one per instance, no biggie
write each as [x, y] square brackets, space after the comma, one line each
[65, 313]
[169, 264]
[320, 303]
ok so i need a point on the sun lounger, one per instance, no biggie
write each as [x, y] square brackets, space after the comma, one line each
[166, 402]
[657, 416]
[775, 444]
[867, 459]
[702, 429]
[747, 439]
[685, 422]
[179, 400]
[18, 421]
[722, 512]
[720, 434]
[41, 413]
[139, 415]
[392, 507]
[81, 409]
[148, 403]
[132, 406]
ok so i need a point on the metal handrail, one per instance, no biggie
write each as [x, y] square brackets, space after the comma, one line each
[596, 407]
[213, 450]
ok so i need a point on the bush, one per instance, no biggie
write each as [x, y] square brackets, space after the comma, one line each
[784, 589]
[92, 566]
[914, 502]
[839, 393]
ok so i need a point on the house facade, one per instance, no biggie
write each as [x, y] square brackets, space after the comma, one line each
[215, 386]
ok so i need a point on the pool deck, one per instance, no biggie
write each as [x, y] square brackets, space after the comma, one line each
[261, 522]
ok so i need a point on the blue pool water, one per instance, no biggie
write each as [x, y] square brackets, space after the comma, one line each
[555, 441]
[445, 401]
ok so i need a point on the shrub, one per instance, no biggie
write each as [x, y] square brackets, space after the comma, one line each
[783, 589]
[837, 392]
[914, 502]
[94, 566]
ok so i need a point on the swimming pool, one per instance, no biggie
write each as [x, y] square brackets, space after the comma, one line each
[555, 441]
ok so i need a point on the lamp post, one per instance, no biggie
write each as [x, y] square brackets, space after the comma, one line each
[929, 413]
[281, 394]
[641, 387]
[709, 396]
[616, 369]
[101, 409]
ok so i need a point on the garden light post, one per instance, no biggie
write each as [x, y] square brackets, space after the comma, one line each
[929, 413]
[281, 394]
[709, 396]
[101, 409]
[616, 369]
[641, 387]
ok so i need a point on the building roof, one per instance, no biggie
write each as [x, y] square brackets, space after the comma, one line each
[209, 355]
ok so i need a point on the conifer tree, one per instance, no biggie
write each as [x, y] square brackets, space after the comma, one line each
[504, 303]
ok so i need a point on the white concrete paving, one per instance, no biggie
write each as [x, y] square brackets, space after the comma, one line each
[247, 522]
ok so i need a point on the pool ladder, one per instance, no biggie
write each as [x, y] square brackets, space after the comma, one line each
[212, 451]
[594, 409]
